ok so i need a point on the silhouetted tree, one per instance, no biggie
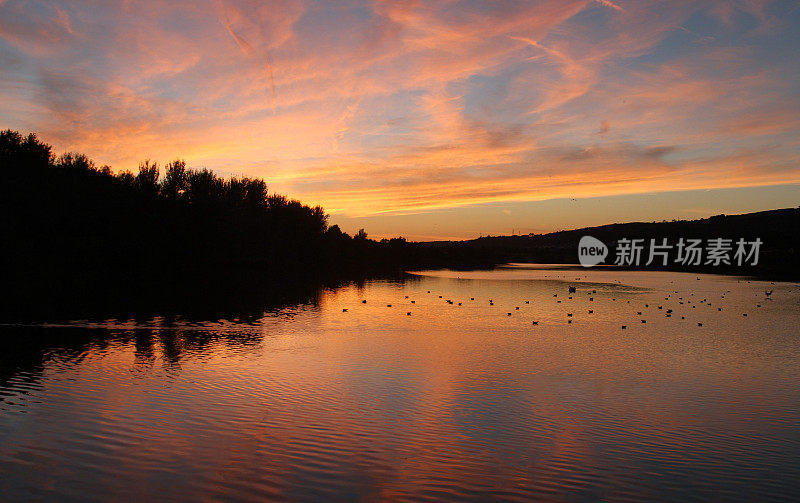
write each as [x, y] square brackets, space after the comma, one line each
[175, 179]
[147, 179]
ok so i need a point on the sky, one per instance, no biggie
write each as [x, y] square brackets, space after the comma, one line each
[428, 120]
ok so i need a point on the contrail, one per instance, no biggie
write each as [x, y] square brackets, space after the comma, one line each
[242, 43]
[609, 3]
[245, 46]
[271, 80]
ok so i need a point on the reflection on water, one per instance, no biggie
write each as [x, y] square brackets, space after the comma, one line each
[456, 400]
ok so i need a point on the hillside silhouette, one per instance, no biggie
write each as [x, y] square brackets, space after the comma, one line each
[778, 230]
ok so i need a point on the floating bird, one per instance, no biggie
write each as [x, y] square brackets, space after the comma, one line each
[569, 314]
[509, 314]
[527, 302]
[388, 305]
[768, 293]
[644, 321]
[744, 314]
[517, 308]
[363, 301]
[569, 321]
[591, 311]
[572, 289]
[624, 327]
[344, 310]
[699, 324]
[408, 313]
[535, 322]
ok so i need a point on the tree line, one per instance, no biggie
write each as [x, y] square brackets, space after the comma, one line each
[66, 218]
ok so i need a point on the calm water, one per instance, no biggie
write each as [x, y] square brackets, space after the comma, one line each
[309, 402]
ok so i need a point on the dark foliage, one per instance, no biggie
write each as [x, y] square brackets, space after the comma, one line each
[70, 226]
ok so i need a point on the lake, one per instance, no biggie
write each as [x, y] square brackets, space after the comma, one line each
[411, 397]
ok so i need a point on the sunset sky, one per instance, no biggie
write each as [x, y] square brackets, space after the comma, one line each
[429, 120]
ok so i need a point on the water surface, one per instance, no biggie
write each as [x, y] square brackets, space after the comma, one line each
[410, 397]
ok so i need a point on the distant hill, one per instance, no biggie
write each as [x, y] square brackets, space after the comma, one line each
[779, 231]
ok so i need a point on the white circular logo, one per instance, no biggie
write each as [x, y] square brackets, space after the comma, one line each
[591, 251]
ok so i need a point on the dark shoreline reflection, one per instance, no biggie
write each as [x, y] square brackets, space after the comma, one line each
[235, 295]
[169, 320]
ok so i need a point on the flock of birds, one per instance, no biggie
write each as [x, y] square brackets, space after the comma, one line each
[668, 312]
